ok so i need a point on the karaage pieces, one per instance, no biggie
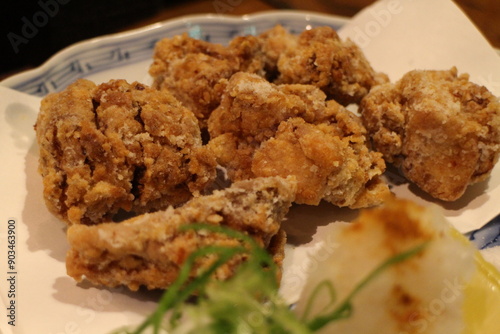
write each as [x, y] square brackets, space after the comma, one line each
[262, 129]
[440, 128]
[118, 146]
[195, 71]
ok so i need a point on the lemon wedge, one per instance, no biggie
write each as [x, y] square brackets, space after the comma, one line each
[482, 299]
[481, 296]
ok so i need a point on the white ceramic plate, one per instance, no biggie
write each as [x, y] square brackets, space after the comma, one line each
[47, 301]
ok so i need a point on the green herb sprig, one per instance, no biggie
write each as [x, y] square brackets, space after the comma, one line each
[344, 309]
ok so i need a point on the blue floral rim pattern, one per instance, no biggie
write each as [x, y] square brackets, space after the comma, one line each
[488, 236]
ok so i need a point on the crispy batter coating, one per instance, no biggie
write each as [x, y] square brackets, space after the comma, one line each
[337, 67]
[118, 146]
[442, 130]
[261, 129]
[194, 71]
[260, 54]
[252, 108]
[326, 165]
[148, 250]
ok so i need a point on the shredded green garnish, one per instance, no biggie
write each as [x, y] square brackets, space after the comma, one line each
[246, 303]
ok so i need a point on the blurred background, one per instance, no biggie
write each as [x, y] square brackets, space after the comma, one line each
[33, 30]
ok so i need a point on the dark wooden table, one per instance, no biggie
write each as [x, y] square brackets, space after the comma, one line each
[484, 13]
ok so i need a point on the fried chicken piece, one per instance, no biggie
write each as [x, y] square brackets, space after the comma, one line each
[337, 67]
[260, 54]
[252, 108]
[442, 130]
[149, 250]
[250, 112]
[193, 71]
[261, 129]
[118, 146]
[326, 165]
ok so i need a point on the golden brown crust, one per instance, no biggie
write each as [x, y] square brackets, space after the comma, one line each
[262, 129]
[252, 107]
[148, 250]
[326, 165]
[442, 130]
[118, 146]
[193, 71]
[260, 54]
[337, 67]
